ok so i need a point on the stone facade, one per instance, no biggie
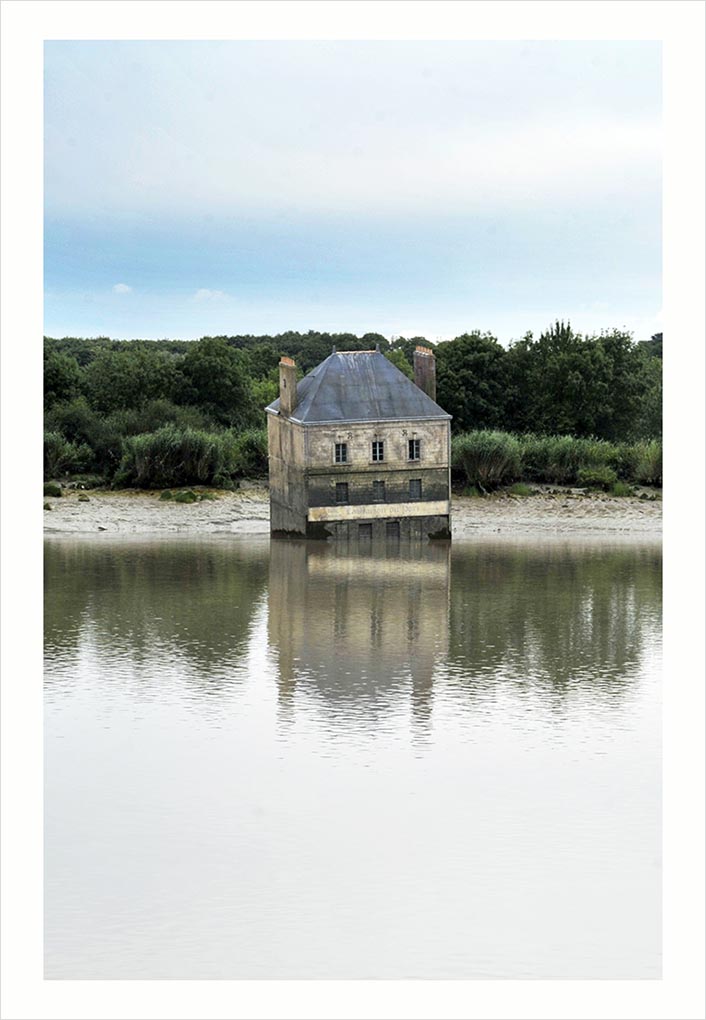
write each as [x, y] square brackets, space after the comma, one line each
[365, 479]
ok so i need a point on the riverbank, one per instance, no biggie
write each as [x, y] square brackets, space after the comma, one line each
[549, 511]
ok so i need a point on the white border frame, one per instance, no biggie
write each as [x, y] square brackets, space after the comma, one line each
[680, 26]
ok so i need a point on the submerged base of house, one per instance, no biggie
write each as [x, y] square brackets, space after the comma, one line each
[366, 528]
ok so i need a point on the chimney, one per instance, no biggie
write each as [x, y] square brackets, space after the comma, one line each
[425, 370]
[287, 386]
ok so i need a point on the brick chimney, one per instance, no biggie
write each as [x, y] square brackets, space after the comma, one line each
[425, 370]
[287, 386]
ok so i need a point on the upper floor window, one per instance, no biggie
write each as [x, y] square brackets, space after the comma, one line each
[341, 492]
[379, 492]
[415, 488]
[341, 453]
[378, 450]
[414, 449]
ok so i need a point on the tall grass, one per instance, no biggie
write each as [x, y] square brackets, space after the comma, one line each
[62, 457]
[648, 468]
[490, 459]
[559, 459]
[174, 456]
[487, 459]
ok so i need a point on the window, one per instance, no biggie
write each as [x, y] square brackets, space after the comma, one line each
[379, 492]
[414, 446]
[378, 450]
[365, 532]
[392, 529]
[415, 488]
[341, 453]
[341, 492]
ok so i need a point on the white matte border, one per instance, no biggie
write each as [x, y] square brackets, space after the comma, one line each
[680, 25]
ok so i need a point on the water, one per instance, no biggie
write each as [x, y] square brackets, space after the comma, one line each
[290, 761]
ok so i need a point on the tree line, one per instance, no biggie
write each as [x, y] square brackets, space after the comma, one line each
[104, 398]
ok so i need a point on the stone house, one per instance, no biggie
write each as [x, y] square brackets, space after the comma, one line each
[359, 451]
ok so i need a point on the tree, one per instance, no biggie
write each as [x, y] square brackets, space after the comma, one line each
[128, 377]
[62, 378]
[399, 360]
[653, 346]
[471, 381]
[215, 378]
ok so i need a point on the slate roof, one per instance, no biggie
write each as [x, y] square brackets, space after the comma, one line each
[359, 386]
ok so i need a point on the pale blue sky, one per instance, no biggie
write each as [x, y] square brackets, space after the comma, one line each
[401, 187]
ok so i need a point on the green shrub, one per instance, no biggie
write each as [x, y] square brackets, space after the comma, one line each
[52, 489]
[520, 489]
[186, 497]
[599, 477]
[62, 457]
[557, 460]
[251, 453]
[207, 496]
[649, 462]
[83, 498]
[154, 415]
[89, 481]
[47, 506]
[621, 489]
[624, 458]
[173, 456]
[487, 459]
[167, 494]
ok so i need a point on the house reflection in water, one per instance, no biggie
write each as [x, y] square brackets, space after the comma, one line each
[359, 631]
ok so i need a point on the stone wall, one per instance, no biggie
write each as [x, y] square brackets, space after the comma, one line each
[321, 488]
[321, 439]
[303, 477]
[288, 500]
[383, 531]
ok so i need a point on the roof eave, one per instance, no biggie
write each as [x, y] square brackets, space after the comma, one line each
[373, 421]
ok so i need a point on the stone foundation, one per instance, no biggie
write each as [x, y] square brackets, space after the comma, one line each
[391, 529]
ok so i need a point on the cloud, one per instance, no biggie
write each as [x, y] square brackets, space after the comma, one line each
[340, 128]
[122, 288]
[204, 294]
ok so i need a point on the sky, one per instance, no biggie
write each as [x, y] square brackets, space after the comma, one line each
[405, 188]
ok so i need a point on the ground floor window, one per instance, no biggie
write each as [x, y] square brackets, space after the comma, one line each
[341, 492]
[365, 531]
[392, 529]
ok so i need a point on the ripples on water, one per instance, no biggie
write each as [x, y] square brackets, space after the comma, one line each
[301, 761]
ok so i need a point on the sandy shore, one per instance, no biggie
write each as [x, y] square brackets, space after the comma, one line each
[550, 512]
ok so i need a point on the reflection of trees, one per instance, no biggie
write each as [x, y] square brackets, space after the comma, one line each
[567, 617]
[194, 600]
[362, 632]
[359, 630]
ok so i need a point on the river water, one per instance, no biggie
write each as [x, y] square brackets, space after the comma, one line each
[303, 761]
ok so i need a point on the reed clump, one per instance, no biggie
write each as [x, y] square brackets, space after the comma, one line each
[487, 459]
[600, 476]
[648, 470]
[174, 456]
